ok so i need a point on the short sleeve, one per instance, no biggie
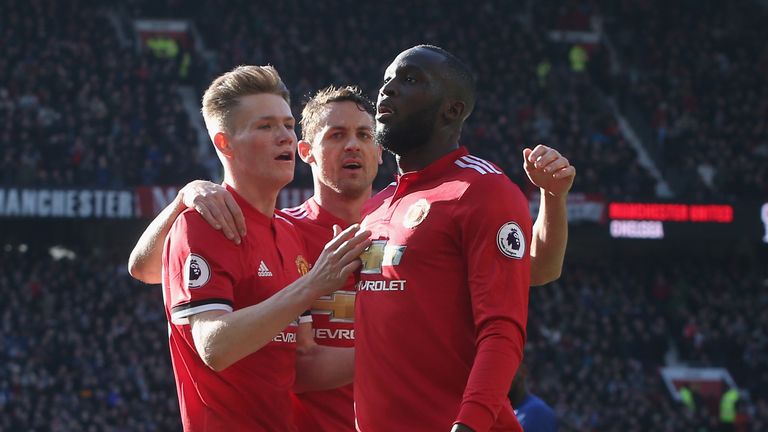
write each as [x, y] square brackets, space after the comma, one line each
[202, 266]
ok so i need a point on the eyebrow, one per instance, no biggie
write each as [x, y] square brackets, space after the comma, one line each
[253, 121]
[344, 127]
[339, 127]
[291, 118]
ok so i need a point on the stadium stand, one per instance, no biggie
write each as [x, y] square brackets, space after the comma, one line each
[87, 352]
[599, 335]
[695, 79]
[90, 351]
[83, 347]
[112, 118]
[78, 108]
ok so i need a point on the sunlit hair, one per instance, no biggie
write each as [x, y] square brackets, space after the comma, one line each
[223, 95]
[310, 115]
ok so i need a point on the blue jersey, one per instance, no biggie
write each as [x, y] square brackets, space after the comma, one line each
[535, 415]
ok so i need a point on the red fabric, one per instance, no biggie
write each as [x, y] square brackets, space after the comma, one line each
[332, 322]
[254, 393]
[441, 321]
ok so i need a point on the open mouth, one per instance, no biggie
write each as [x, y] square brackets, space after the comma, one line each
[351, 165]
[384, 111]
[285, 156]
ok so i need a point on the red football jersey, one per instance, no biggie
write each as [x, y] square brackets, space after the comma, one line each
[442, 299]
[203, 271]
[332, 324]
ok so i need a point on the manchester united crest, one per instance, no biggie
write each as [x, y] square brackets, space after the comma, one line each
[416, 213]
[302, 265]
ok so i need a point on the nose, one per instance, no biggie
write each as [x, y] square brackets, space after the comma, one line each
[287, 136]
[388, 88]
[352, 144]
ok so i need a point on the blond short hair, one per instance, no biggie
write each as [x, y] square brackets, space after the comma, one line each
[223, 95]
[310, 115]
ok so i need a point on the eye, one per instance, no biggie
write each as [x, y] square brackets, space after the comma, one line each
[265, 126]
[366, 136]
[386, 80]
[410, 79]
[337, 135]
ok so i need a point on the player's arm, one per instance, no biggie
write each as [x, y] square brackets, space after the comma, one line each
[498, 272]
[321, 367]
[214, 203]
[554, 175]
[223, 338]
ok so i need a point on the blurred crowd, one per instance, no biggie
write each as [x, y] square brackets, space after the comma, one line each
[80, 108]
[598, 337]
[83, 347]
[699, 85]
[528, 94]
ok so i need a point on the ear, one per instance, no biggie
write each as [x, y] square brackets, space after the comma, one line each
[454, 111]
[379, 152]
[223, 144]
[305, 151]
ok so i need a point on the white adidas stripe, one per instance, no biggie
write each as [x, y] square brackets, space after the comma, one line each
[484, 163]
[298, 213]
[464, 164]
[293, 210]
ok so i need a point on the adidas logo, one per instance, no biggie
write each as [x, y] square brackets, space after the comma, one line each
[263, 270]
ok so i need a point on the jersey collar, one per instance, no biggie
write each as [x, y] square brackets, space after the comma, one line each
[250, 212]
[432, 171]
[436, 168]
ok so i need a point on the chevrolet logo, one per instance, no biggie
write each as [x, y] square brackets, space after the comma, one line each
[339, 306]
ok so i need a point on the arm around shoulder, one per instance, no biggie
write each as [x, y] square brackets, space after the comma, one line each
[145, 262]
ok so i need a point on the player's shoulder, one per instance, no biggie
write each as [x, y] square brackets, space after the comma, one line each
[190, 220]
[294, 214]
[302, 219]
[285, 221]
[191, 231]
[483, 178]
[472, 166]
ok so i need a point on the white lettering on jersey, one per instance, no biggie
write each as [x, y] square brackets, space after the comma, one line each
[346, 334]
[381, 285]
[285, 337]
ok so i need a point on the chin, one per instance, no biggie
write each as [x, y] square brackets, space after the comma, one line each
[353, 189]
[283, 180]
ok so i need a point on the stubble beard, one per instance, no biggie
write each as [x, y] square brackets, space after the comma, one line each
[413, 132]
